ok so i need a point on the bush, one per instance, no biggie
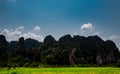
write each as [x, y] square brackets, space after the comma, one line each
[8, 66]
[34, 64]
[27, 64]
[118, 64]
[14, 73]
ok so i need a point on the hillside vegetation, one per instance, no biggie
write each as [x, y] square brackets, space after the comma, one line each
[67, 51]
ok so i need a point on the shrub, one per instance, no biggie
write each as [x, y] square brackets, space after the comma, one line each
[27, 64]
[118, 64]
[34, 64]
[14, 73]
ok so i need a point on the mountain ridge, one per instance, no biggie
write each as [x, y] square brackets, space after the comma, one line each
[66, 51]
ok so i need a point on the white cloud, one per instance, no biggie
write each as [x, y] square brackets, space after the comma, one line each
[96, 33]
[20, 28]
[75, 33]
[87, 26]
[37, 29]
[114, 37]
[11, 34]
[88, 29]
[17, 33]
[33, 35]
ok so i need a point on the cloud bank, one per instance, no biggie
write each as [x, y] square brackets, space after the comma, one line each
[19, 32]
[114, 37]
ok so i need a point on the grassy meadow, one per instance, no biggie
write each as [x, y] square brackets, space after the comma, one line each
[71, 70]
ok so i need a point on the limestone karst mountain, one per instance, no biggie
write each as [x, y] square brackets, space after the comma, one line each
[66, 51]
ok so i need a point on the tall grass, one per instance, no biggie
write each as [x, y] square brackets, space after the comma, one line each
[73, 70]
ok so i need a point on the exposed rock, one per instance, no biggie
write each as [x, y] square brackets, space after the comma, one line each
[72, 56]
[93, 46]
[67, 50]
[111, 53]
[68, 43]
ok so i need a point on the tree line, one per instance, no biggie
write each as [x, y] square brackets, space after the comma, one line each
[67, 51]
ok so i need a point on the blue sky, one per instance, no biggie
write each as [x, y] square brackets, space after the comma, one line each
[38, 18]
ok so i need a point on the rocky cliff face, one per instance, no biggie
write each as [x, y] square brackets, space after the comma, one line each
[67, 50]
[80, 49]
[111, 53]
[91, 49]
[68, 44]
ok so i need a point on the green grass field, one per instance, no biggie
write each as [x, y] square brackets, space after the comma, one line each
[81, 70]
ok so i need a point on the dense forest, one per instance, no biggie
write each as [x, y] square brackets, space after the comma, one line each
[67, 51]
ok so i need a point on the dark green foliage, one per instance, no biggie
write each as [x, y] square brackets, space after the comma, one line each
[27, 64]
[21, 47]
[3, 46]
[12, 46]
[3, 50]
[31, 43]
[49, 40]
[14, 73]
[74, 51]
